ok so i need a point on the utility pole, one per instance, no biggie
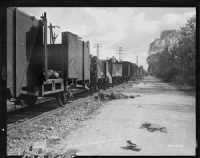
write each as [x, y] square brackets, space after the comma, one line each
[120, 49]
[119, 53]
[53, 36]
[98, 46]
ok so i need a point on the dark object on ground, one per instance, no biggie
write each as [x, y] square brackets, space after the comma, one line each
[145, 125]
[154, 127]
[131, 146]
[118, 96]
[105, 95]
[130, 143]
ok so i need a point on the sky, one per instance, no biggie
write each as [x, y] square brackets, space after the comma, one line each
[131, 28]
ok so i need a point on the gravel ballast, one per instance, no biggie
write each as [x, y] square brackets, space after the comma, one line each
[41, 136]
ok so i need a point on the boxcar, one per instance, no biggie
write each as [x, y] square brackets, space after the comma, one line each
[24, 59]
[98, 72]
[117, 73]
[101, 69]
[71, 57]
[133, 71]
[126, 70]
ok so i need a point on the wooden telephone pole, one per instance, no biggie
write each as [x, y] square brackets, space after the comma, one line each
[120, 52]
[53, 36]
[98, 46]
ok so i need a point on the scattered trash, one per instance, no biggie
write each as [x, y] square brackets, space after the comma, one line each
[131, 146]
[154, 127]
[109, 95]
[130, 143]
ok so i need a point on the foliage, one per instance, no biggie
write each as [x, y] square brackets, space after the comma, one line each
[173, 54]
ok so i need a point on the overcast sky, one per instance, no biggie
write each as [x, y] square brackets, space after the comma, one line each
[131, 28]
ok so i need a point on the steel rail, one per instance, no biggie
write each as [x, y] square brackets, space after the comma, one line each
[45, 114]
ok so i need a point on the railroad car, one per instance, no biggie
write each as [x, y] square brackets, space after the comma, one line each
[133, 71]
[116, 73]
[71, 59]
[126, 70]
[38, 69]
[98, 73]
[24, 57]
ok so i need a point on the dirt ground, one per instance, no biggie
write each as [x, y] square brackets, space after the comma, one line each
[120, 120]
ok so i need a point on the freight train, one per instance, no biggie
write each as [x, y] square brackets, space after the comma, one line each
[37, 69]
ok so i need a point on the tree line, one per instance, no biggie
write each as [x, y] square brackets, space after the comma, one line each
[172, 56]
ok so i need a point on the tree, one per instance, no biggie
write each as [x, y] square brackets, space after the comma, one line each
[173, 54]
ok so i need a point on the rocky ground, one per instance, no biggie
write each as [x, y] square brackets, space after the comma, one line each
[160, 121]
[41, 136]
[146, 117]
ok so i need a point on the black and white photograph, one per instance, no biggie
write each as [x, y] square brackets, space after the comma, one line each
[101, 81]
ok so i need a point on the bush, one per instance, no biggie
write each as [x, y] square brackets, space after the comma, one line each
[169, 74]
[191, 80]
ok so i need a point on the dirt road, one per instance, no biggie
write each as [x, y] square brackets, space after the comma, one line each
[120, 120]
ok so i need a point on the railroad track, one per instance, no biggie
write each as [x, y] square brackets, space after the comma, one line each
[40, 114]
[42, 111]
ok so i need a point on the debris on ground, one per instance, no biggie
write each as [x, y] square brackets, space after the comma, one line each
[20, 140]
[153, 127]
[131, 146]
[130, 143]
[110, 95]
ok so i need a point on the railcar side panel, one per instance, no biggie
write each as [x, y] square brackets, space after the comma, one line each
[27, 30]
[86, 61]
[10, 50]
[24, 34]
[101, 69]
[74, 55]
[116, 69]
